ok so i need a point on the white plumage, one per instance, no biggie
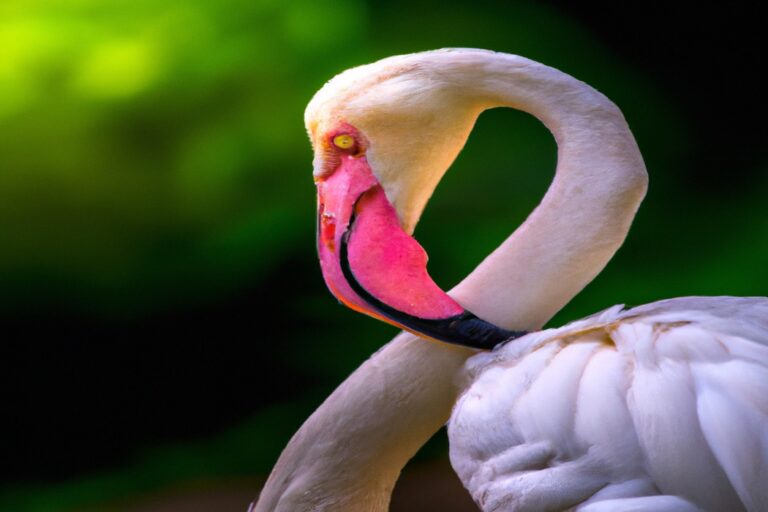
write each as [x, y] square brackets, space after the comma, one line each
[663, 407]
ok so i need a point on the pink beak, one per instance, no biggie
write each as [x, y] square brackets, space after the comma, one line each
[373, 266]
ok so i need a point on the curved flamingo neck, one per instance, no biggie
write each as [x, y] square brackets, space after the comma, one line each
[587, 211]
[349, 453]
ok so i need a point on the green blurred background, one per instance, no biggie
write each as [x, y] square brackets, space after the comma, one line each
[165, 325]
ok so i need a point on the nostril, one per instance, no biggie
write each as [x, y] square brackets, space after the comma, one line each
[328, 230]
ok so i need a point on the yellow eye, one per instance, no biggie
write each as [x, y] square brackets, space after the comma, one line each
[343, 141]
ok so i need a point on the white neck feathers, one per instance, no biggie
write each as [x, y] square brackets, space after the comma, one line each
[349, 453]
[587, 211]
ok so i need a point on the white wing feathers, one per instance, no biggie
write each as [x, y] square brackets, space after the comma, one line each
[662, 407]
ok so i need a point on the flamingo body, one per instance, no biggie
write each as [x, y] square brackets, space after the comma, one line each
[657, 408]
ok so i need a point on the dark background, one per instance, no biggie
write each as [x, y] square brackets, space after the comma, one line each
[163, 317]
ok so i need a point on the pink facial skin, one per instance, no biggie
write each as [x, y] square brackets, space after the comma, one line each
[336, 195]
[387, 262]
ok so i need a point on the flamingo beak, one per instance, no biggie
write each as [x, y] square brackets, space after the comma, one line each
[373, 266]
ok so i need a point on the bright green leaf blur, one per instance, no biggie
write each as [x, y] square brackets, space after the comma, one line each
[147, 142]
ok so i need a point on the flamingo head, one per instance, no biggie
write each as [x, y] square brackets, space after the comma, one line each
[383, 136]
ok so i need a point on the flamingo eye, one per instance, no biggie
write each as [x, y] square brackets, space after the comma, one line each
[344, 141]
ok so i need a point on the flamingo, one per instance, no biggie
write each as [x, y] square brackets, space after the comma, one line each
[662, 407]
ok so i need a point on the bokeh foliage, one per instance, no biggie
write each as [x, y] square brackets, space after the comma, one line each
[154, 147]
[153, 155]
